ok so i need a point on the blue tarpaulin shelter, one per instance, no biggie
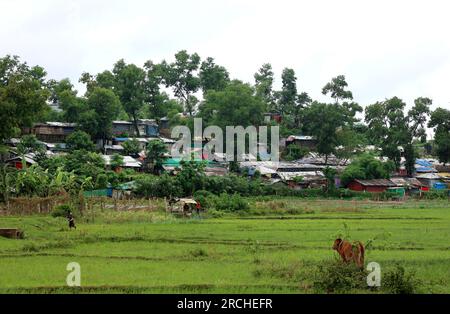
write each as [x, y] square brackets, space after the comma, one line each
[423, 163]
[440, 186]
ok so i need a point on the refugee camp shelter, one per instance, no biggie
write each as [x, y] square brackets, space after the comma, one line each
[146, 127]
[51, 132]
[18, 161]
[302, 141]
[128, 162]
[374, 185]
[411, 185]
[429, 179]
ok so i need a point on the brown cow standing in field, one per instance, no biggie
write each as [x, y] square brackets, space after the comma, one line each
[350, 251]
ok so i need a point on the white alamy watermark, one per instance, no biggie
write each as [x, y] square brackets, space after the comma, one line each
[73, 279]
[236, 138]
[374, 277]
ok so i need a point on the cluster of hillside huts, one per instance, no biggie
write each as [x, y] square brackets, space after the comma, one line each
[300, 174]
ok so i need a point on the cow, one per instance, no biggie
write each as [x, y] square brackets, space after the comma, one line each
[350, 251]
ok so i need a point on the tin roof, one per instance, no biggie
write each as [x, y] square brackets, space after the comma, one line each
[376, 182]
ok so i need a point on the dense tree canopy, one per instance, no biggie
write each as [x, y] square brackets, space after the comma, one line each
[79, 140]
[392, 129]
[236, 105]
[213, 76]
[103, 108]
[182, 77]
[23, 95]
[129, 86]
[440, 121]
[189, 87]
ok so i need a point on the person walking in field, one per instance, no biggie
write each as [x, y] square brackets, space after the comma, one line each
[198, 207]
[71, 220]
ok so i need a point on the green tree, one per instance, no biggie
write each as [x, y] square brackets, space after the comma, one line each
[103, 106]
[350, 142]
[104, 79]
[366, 167]
[65, 97]
[264, 85]
[155, 152]
[302, 101]
[23, 95]
[57, 87]
[235, 105]
[80, 140]
[132, 147]
[156, 101]
[295, 152]
[213, 76]
[288, 94]
[324, 120]
[116, 161]
[129, 85]
[336, 89]
[84, 164]
[29, 144]
[391, 129]
[440, 121]
[330, 173]
[7, 178]
[182, 76]
[192, 176]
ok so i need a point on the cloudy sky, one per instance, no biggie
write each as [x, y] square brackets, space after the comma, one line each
[384, 48]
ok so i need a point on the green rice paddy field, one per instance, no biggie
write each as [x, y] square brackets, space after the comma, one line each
[274, 247]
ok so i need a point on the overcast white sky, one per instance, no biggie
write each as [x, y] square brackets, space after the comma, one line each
[385, 48]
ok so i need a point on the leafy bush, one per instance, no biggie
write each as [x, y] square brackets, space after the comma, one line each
[294, 152]
[80, 140]
[335, 276]
[436, 194]
[102, 181]
[199, 252]
[366, 167]
[205, 198]
[132, 147]
[399, 281]
[153, 186]
[214, 213]
[232, 203]
[61, 210]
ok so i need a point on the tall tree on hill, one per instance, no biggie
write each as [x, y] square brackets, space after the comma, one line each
[303, 101]
[103, 108]
[390, 128]
[264, 85]
[336, 89]
[129, 85]
[23, 95]
[235, 105]
[288, 95]
[79, 140]
[213, 76]
[65, 97]
[155, 156]
[324, 120]
[153, 97]
[103, 79]
[182, 76]
[440, 121]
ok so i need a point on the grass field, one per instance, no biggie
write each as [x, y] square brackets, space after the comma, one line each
[273, 248]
